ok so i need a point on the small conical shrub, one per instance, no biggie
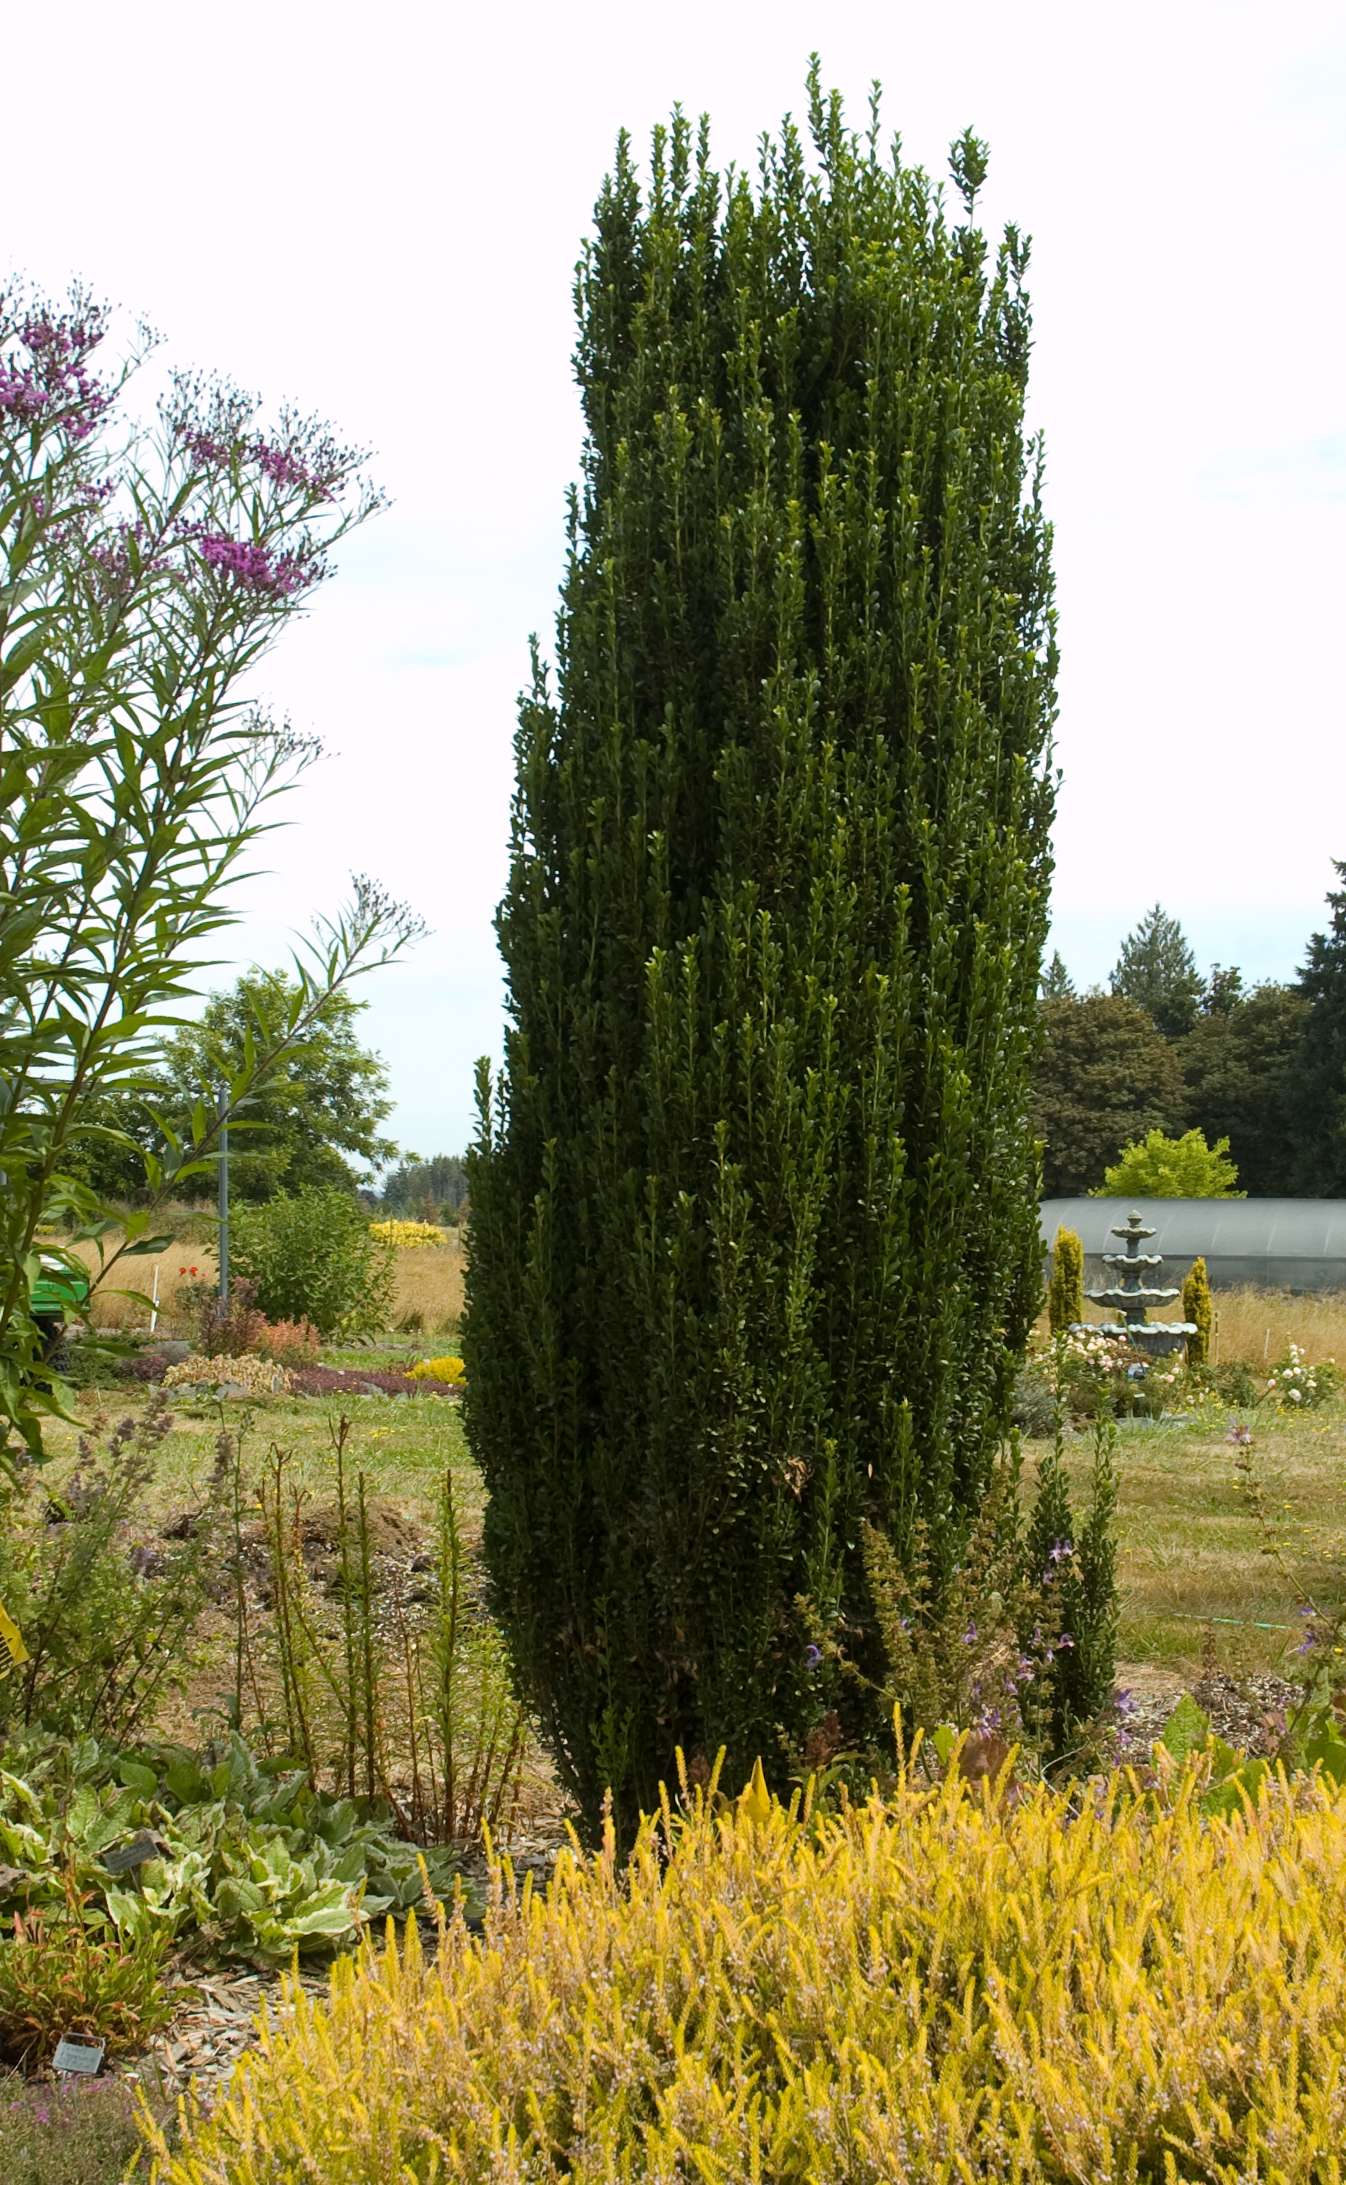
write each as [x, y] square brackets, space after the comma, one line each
[754, 1206]
[1065, 1291]
[1198, 1306]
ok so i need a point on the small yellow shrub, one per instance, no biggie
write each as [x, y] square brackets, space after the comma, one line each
[939, 1988]
[407, 1235]
[437, 1369]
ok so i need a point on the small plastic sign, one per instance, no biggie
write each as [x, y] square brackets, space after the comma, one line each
[81, 2056]
[135, 1852]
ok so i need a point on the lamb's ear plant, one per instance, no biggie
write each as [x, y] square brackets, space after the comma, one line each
[144, 571]
[754, 1204]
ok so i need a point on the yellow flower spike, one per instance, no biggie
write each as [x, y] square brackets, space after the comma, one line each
[756, 1803]
[12, 1638]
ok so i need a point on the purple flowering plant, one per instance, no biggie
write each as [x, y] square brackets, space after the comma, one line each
[146, 566]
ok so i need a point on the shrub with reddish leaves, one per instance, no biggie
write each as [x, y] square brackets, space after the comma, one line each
[289, 1342]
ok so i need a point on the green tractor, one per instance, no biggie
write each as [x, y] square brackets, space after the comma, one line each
[61, 1293]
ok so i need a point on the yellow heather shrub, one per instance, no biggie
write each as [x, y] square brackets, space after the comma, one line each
[436, 1369]
[937, 1988]
[407, 1235]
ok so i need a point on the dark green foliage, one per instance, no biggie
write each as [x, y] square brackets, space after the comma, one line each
[1198, 1306]
[1224, 990]
[754, 1225]
[1104, 1078]
[1243, 1069]
[433, 1190]
[1319, 1096]
[1065, 1291]
[1157, 971]
[314, 1257]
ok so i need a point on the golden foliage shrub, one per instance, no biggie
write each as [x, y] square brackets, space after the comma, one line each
[408, 1236]
[961, 1982]
[447, 1368]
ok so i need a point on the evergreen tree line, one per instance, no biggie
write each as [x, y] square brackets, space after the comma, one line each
[1164, 1048]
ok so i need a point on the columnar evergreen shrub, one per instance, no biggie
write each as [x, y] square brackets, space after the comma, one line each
[754, 1244]
[1198, 1306]
[1065, 1291]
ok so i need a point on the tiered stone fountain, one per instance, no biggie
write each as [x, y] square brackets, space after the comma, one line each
[1132, 1293]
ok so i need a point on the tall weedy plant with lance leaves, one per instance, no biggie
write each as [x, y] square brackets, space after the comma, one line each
[754, 1230]
[145, 568]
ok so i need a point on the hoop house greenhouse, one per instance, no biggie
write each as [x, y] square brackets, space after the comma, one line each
[1267, 1244]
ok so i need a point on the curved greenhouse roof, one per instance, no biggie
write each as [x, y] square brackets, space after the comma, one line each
[1273, 1244]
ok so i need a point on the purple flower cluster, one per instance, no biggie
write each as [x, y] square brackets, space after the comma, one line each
[256, 568]
[287, 466]
[316, 469]
[56, 387]
[207, 447]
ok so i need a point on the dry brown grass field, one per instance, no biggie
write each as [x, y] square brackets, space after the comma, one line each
[428, 1281]
[1258, 1326]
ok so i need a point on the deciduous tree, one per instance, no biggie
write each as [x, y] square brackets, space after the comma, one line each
[1105, 1076]
[320, 1108]
[1171, 1168]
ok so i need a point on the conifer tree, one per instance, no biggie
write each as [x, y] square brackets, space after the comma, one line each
[1056, 983]
[1318, 1104]
[1157, 970]
[754, 1247]
[1198, 1306]
[1065, 1291]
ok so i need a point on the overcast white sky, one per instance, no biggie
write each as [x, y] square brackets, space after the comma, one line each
[375, 213]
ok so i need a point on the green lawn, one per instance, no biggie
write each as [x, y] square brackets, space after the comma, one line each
[1192, 1555]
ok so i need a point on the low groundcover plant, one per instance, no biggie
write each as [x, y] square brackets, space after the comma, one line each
[953, 1983]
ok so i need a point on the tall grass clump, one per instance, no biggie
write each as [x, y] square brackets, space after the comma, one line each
[754, 1246]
